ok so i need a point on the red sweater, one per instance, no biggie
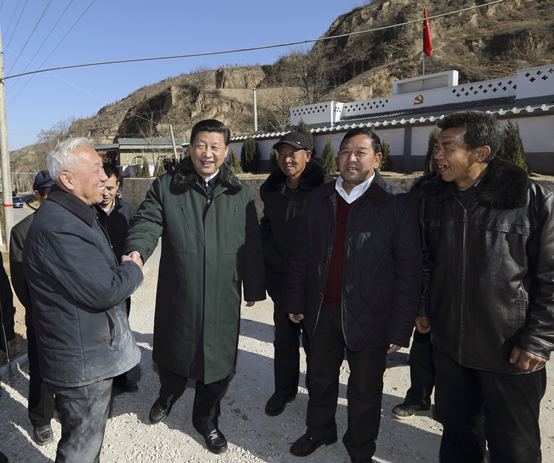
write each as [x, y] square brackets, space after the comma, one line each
[333, 287]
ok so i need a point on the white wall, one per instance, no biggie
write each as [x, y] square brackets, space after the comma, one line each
[395, 138]
[533, 131]
[420, 139]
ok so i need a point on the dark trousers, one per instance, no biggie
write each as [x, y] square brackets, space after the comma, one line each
[41, 400]
[478, 407]
[365, 386]
[84, 413]
[422, 371]
[286, 359]
[207, 399]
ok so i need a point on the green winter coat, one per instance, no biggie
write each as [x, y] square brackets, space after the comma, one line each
[203, 262]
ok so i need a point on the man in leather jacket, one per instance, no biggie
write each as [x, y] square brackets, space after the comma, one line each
[355, 278]
[487, 299]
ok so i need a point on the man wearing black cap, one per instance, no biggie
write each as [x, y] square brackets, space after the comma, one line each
[41, 399]
[283, 194]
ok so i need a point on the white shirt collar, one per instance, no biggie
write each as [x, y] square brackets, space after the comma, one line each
[356, 192]
[206, 180]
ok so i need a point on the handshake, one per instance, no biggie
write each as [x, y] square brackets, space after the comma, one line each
[133, 256]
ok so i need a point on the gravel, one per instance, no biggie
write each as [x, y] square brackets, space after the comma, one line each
[252, 436]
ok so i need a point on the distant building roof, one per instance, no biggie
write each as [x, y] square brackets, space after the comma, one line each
[446, 108]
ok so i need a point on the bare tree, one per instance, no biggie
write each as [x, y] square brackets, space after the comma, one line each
[47, 140]
[311, 71]
[274, 110]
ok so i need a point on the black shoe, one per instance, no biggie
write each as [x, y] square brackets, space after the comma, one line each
[405, 411]
[3, 458]
[276, 405]
[361, 460]
[307, 445]
[125, 385]
[43, 435]
[158, 413]
[215, 441]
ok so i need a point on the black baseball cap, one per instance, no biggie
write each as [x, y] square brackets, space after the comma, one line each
[43, 180]
[296, 140]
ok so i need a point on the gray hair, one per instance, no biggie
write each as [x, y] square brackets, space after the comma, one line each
[62, 157]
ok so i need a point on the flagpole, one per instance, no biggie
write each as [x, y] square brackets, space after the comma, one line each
[423, 54]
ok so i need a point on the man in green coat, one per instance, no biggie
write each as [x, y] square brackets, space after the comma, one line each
[210, 245]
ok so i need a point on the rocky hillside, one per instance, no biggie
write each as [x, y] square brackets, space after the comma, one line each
[481, 44]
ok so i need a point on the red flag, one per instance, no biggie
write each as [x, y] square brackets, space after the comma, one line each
[427, 45]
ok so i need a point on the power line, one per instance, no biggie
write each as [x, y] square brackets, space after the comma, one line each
[36, 53]
[11, 19]
[17, 24]
[35, 28]
[192, 55]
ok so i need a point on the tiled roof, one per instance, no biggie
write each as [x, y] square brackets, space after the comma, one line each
[489, 103]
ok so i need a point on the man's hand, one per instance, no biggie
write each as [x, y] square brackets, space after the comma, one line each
[134, 257]
[296, 318]
[250, 304]
[422, 325]
[525, 360]
[393, 348]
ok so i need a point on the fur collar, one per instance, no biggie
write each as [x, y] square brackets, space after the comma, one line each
[312, 177]
[185, 177]
[504, 186]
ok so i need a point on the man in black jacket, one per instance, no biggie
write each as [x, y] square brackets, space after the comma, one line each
[488, 293]
[41, 400]
[115, 215]
[284, 194]
[354, 281]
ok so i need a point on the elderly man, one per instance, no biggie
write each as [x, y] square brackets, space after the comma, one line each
[354, 281]
[78, 291]
[210, 245]
[41, 400]
[488, 254]
[284, 194]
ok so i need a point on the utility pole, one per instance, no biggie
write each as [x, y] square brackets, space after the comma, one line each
[255, 112]
[173, 142]
[5, 153]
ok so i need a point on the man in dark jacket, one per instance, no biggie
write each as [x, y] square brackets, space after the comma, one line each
[115, 215]
[210, 245]
[7, 312]
[41, 400]
[354, 281]
[78, 291]
[284, 194]
[488, 293]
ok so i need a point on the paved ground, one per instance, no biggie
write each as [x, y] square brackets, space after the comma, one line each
[252, 436]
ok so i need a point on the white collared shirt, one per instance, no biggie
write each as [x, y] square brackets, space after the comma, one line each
[356, 192]
[206, 180]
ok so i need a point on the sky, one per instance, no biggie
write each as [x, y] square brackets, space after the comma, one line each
[33, 34]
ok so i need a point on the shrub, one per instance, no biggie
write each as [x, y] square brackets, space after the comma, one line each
[234, 163]
[432, 139]
[512, 147]
[387, 163]
[273, 163]
[250, 155]
[328, 161]
[303, 128]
